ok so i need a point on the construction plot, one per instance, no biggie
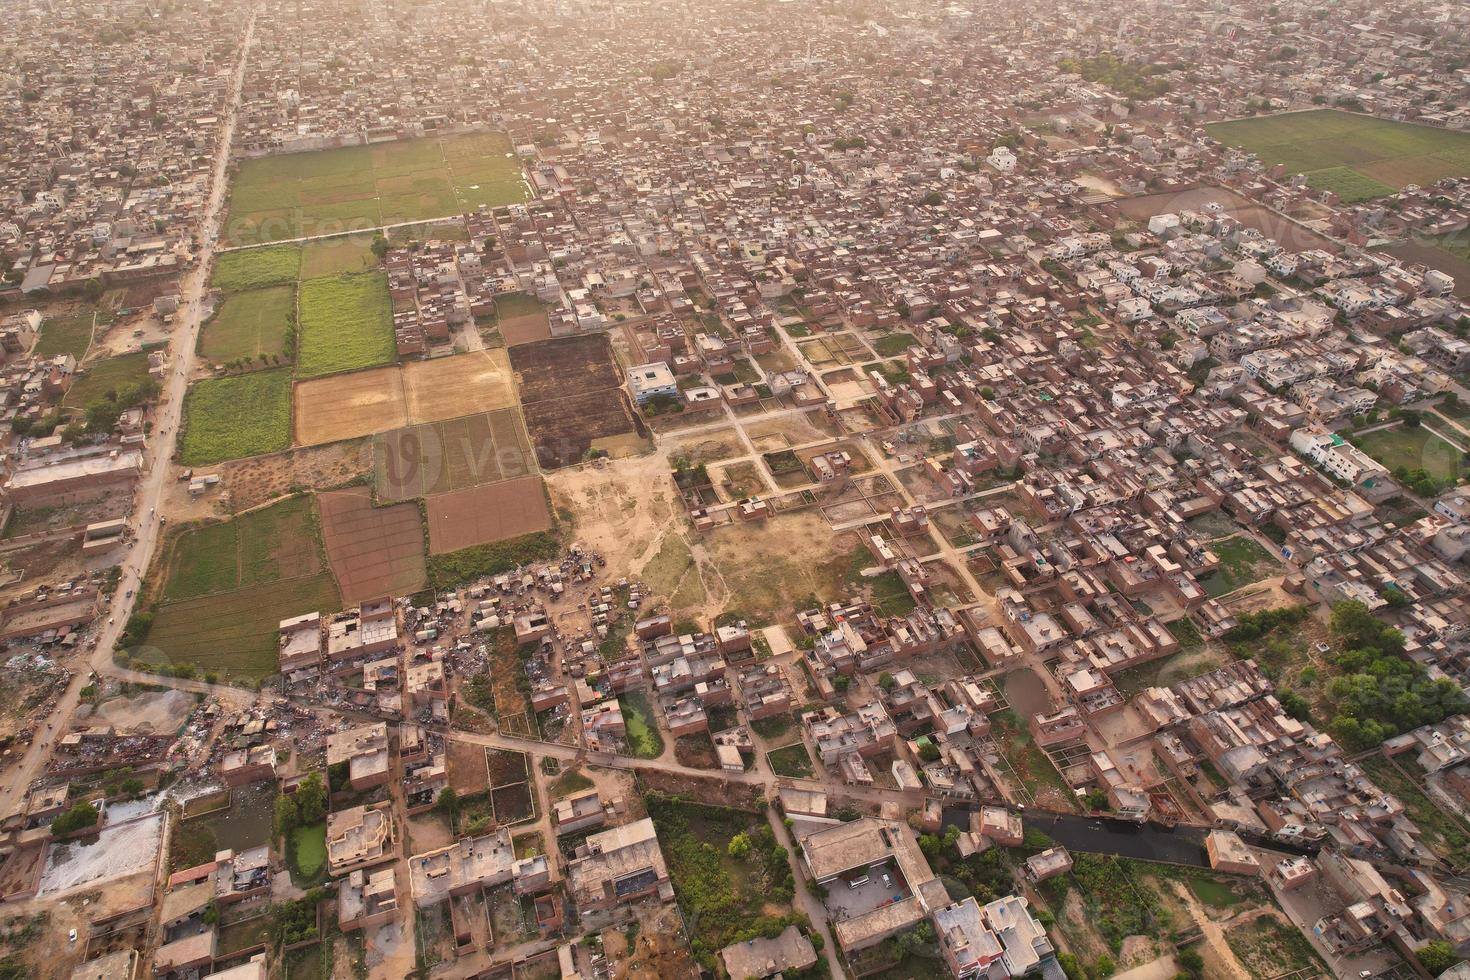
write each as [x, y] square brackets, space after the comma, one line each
[373, 551]
[439, 457]
[483, 515]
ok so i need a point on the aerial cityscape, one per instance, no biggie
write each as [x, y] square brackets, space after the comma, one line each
[602, 489]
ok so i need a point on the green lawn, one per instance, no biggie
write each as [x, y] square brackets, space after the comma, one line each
[238, 416]
[1413, 448]
[1356, 156]
[250, 324]
[346, 324]
[91, 386]
[644, 740]
[893, 344]
[1242, 561]
[791, 760]
[65, 335]
[363, 187]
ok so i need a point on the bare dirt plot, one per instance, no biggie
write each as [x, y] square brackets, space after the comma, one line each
[259, 479]
[451, 387]
[551, 368]
[438, 457]
[373, 551]
[620, 510]
[521, 319]
[708, 447]
[770, 569]
[790, 430]
[347, 406]
[564, 429]
[482, 515]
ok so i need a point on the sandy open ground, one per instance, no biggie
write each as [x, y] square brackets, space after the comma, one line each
[480, 515]
[148, 713]
[449, 387]
[373, 551]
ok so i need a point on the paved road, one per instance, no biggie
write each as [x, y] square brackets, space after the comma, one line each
[159, 451]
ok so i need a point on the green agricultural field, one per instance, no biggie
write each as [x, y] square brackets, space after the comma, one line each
[252, 268]
[346, 324]
[234, 417]
[1359, 157]
[111, 375]
[65, 335]
[1415, 448]
[254, 323]
[227, 586]
[338, 256]
[362, 187]
[257, 548]
[234, 633]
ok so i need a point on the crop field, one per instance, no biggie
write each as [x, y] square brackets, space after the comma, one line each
[373, 551]
[552, 368]
[252, 268]
[236, 633]
[1359, 157]
[564, 429]
[484, 515]
[250, 324]
[342, 256]
[349, 405]
[234, 417]
[346, 324]
[440, 457]
[227, 586]
[92, 384]
[360, 187]
[65, 335]
[451, 387]
[259, 547]
[366, 402]
[571, 393]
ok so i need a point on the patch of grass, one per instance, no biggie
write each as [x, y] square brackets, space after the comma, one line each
[1349, 185]
[337, 256]
[1242, 561]
[111, 375]
[251, 324]
[791, 760]
[572, 782]
[644, 740]
[458, 567]
[893, 344]
[235, 417]
[773, 727]
[1413, 448]
[65, 335]
[1215, 894]
[1268, 947]
[346, 324]
[252, 268]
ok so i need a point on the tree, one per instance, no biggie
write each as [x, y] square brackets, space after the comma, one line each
[78, 817]
[1190, 962]
[311, 799]
[379, 247]
[1438, 956]
[448, 802]
[285, 815]
[739, 846]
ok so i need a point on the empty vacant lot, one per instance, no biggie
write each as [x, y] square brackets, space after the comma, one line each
[373, 551]
[484, 515]
[1358, 157]
[437, 457]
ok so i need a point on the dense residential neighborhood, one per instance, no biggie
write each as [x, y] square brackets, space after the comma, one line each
[819, 488]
